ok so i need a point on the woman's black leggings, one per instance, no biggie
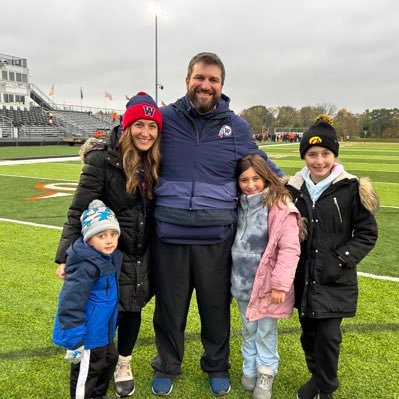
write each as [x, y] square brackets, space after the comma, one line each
[128, 330]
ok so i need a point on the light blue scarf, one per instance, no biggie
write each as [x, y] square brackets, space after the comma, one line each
[315, 190]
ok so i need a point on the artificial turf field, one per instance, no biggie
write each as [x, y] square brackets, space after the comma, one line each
[32, 367]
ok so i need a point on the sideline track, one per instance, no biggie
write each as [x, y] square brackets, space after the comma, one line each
[37, 160]
[369, 275]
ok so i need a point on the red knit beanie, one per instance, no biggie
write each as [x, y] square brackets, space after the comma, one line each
[141, 106]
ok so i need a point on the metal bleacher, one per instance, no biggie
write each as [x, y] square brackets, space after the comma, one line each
[27, 125]
[35, 124]
[22, 116]
[6, 127]
[85, 123]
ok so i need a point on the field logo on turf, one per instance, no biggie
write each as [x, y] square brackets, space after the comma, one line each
[62, 190]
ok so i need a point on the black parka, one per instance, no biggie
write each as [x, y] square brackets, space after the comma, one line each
[102, 178]
[341, 232]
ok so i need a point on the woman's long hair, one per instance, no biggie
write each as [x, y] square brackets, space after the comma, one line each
[134, 161]
[277, 192]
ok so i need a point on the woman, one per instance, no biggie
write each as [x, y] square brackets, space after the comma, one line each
[123, 173]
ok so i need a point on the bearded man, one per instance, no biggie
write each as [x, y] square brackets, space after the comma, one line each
[195, 218]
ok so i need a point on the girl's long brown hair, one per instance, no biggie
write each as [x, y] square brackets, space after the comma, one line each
[277, 193]
[133, 160]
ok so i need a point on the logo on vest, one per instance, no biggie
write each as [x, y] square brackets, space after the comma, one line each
[315, 140]
[225, 131]
[148, 111]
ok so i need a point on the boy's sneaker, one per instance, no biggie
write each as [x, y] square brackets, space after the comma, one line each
[220, 386]
[264, 383]
[248, 383]
[124, 383]
[322, 395]
[308, 390]
[162, 386]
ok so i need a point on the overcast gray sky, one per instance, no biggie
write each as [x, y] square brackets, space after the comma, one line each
[276, 52]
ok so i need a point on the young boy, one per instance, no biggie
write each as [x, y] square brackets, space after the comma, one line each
[88, 304]
[342, 230]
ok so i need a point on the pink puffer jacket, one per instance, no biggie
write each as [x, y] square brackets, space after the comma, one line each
[277, 265]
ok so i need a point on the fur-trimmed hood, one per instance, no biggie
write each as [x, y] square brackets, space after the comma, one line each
[368, 196]
[109, 143]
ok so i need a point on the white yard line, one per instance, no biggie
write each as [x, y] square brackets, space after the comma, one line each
[39, 178]
[47, 226]
[378, 277]
[37, 160]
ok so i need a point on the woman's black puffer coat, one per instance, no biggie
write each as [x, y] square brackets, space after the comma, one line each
[102, 177]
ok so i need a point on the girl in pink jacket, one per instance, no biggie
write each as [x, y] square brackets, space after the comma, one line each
[265, 254]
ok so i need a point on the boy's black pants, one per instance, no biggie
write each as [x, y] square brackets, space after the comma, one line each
[90, 378]
[321, 339]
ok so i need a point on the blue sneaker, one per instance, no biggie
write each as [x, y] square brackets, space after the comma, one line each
[162, 386]
[220, 386]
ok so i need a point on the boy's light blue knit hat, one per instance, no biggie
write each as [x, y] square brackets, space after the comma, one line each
[98, 217]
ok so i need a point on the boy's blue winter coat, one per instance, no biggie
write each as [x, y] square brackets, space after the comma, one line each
[88, 302]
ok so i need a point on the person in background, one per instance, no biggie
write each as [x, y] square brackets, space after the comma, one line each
[265, 255]
[195, 219]
[123, 172]
[88, 303]
[342, 230]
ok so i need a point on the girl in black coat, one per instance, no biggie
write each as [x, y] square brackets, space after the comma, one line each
[338, 208]
[123, 172]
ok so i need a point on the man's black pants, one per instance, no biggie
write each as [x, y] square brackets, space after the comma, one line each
[177, 271]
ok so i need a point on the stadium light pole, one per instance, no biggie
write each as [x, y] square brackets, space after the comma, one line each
[157, 11]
